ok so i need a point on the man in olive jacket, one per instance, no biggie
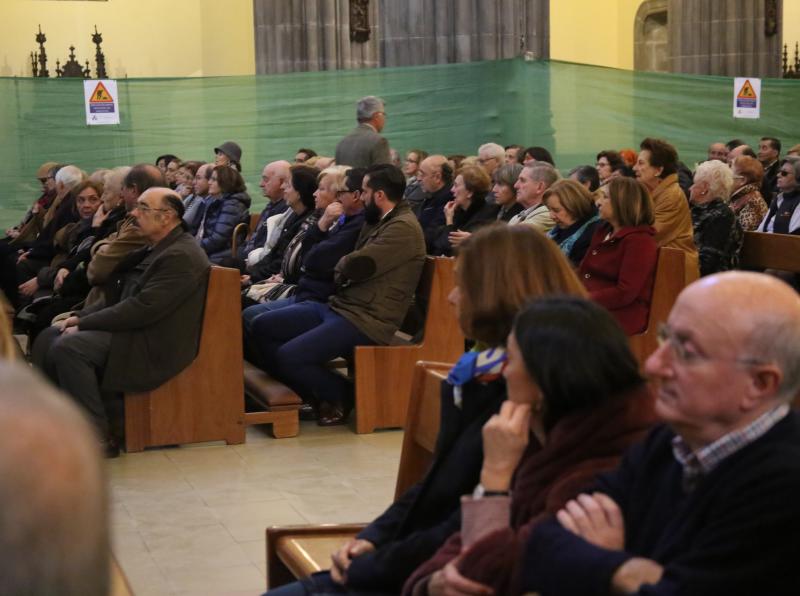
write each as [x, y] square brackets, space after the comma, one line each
[151, 332]
[374, 287]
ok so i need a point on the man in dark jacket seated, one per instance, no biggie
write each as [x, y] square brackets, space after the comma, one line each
[706, 505]
[150, 333]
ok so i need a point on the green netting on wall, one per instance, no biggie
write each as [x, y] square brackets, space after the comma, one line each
[574, 110]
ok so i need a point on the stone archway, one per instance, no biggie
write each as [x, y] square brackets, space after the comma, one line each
[651, 37]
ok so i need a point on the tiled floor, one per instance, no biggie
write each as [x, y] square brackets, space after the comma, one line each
[191, 520]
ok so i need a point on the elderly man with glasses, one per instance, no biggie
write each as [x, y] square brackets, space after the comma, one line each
[706, 504]
[145, 336]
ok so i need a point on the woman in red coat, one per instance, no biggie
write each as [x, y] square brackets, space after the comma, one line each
[620, 265]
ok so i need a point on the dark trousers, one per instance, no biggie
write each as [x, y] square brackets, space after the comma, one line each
[74, 362]
[295, 343]
[319, 584]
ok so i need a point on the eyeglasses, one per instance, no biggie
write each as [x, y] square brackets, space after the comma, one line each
[145, 208]
[344, 192]
[483, 160]
[411, 160]
[685, 355]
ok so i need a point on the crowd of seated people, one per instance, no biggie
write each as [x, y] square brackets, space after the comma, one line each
[109, 272]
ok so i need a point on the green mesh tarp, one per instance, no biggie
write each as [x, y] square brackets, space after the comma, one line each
[573, 110]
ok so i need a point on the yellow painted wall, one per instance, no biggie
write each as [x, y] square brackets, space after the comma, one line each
[592, 32]
[791, 25]
[142, 38]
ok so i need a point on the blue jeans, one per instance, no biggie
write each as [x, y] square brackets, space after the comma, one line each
[295, 344]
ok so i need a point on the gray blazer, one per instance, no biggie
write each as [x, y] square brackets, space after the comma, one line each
[362, 148]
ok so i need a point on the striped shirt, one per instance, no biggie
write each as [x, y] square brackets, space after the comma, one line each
[703, 461]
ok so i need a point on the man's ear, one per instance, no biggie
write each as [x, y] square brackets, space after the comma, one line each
[765, 381]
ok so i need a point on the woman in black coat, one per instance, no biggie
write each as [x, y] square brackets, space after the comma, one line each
[228, 206]
[467, 212]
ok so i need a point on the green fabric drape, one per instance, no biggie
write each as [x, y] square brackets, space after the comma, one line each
[573, 110]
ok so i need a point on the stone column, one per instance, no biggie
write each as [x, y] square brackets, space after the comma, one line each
[724, 37]
[310, 35]
[445, 31]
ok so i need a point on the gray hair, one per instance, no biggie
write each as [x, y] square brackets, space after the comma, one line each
[367, 107]
[719, 177]
[54, 535]
[70, 177]
[507, 174]
[777, 339]
[544, 172]
[794, 162]
[494, 150]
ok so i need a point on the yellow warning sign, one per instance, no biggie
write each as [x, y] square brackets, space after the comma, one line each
[747, 91]
[101, 95]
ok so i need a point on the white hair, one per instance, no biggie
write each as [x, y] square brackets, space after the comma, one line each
[718, 176]
[70, 177]
[493, 150]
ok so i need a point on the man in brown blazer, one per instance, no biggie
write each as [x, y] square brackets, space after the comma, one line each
[364, 146]
[146, 336]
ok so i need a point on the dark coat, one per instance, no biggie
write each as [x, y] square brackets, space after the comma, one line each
[734, 534]
[362, 148]
[322, 251]
[430, 213]
[718, 236]
[156, 323]
[259, 236]
[376, 282]
[272, 262]
[478, 215]
[619, 273]
[44, 247]
[419, 522]
[222, 215]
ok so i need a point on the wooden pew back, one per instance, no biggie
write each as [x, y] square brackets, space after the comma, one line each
[670, 279]
[383, 374]
[204, 402]
[770, 251]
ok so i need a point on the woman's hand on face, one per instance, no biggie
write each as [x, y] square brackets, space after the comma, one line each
[449, 212]
[99, 216]
[505, 437]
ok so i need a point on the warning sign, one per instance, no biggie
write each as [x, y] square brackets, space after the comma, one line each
[102, 106]
[746, 98]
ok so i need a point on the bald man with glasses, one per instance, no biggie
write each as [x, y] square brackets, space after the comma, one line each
[707, 503]
[145, 335]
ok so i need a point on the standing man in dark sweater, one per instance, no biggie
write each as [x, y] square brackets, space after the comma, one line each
[706, 505]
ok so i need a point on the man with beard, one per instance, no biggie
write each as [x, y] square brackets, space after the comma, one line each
[374, 287]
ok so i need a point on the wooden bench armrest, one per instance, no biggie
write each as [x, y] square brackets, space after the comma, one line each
[289, 558]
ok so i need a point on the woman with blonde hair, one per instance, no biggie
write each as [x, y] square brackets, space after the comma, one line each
[717, 232]
[619, 267]
[467, 212]
[572, 208]
[499, 269]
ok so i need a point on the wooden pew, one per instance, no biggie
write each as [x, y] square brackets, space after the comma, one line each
[297, 551]
[242, 232]
[280, 405]
[670, 279]
[770, 251]
[205, 401]
[383, 373]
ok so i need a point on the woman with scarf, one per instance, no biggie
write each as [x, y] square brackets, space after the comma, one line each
[499, 269]
[559, 428]
[572, 208]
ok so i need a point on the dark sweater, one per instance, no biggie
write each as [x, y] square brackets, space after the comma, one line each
[735, 533]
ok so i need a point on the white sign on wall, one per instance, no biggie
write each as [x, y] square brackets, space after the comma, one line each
[102, 102]
[746, 98]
